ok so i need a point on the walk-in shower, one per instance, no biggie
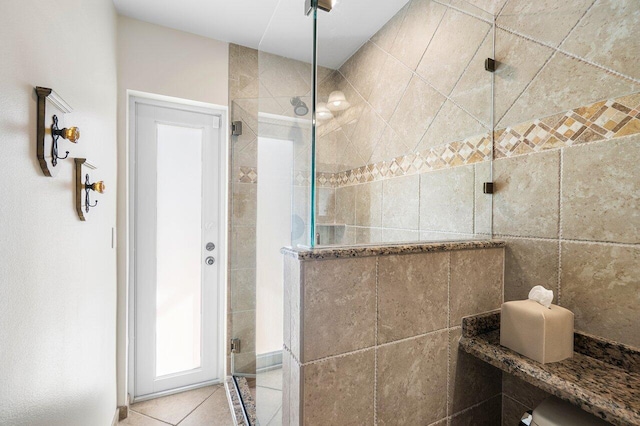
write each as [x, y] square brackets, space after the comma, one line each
[372, 125]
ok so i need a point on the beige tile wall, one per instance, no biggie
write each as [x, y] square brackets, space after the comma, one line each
[374, 340]
[420, 73]
[567, 204]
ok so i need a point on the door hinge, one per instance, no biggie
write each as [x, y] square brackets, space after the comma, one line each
[488, 188]
[235, 346]
[236, 128]
[490, 64]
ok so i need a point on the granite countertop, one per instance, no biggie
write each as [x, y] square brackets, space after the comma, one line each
[603, 377]
[342, 252]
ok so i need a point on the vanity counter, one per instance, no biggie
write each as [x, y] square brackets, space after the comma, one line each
[603, 377]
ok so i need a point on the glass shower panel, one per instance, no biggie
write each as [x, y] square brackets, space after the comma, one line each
[404, 122]
[284, 190]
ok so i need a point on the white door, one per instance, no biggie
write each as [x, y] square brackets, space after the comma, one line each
[177, 236]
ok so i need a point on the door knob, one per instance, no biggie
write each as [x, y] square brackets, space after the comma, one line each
[210, 260]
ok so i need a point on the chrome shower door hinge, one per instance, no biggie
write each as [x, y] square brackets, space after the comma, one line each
[235, 346]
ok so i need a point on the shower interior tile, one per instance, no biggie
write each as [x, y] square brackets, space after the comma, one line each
[561, 85]
[548, 21]
[446, 200]
[417, 29]
[453, 46]
[526, 198]
[471, 380]
[408, 370]
[476, 282]
[608, 36]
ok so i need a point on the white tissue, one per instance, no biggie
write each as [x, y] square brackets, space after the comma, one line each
[542, 296]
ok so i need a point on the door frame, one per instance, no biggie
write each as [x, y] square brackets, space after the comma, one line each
[133, 98]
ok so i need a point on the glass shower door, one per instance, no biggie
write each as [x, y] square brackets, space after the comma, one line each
[404, 122]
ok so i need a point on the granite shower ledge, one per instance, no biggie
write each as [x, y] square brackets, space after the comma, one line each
[594, 379]
[343, 252]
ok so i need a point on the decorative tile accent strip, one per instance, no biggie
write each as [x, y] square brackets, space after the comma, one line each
[469, 151]
[596, 122]
[248, 175]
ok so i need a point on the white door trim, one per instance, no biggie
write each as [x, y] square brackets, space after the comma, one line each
[134, 97]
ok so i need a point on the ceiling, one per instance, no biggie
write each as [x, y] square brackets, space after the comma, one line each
[274, 26]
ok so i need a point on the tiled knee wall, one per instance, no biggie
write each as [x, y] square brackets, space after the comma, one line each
[374, 340]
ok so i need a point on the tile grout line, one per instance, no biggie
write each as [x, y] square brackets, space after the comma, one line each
[559, 48]
[566, 240]
[448, 333]
[375, 352]
[526, 87]
[560, 223]
[369, 348]
[466, 12]
[474, 406]
[150, 417]
[198, 406]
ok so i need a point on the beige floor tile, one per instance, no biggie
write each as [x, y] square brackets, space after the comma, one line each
[270, 379]
[277, 419]
[135, 419]
[214, 411]
[268, 403]
[172, 409]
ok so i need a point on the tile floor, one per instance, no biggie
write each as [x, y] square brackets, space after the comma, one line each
[199, 407]
[268, 396]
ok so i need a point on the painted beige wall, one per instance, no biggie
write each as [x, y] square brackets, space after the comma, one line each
[166, 62]
[57, 274]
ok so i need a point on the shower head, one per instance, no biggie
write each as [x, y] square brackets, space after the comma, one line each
[299, 107]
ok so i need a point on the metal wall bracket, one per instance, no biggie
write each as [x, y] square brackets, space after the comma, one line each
[236, 128]
[325, 5]
[488, 188]
[490, 64]
[235, 346]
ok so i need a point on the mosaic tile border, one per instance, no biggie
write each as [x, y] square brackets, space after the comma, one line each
[599, 121]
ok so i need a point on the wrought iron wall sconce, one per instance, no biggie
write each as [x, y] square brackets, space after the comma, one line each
[72, 134]
[84, 188]
[50, 104]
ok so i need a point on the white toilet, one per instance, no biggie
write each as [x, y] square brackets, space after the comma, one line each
[555, 412]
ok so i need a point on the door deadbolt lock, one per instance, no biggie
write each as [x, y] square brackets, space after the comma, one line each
[210, 246]
[210, 260]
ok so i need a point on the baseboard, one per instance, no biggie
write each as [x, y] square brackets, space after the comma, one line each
[268, 361]
[116, 418]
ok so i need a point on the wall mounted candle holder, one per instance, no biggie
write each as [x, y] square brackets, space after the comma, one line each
[51, 111]
[84, 188]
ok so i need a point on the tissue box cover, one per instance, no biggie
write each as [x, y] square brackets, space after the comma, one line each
[544, 335]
